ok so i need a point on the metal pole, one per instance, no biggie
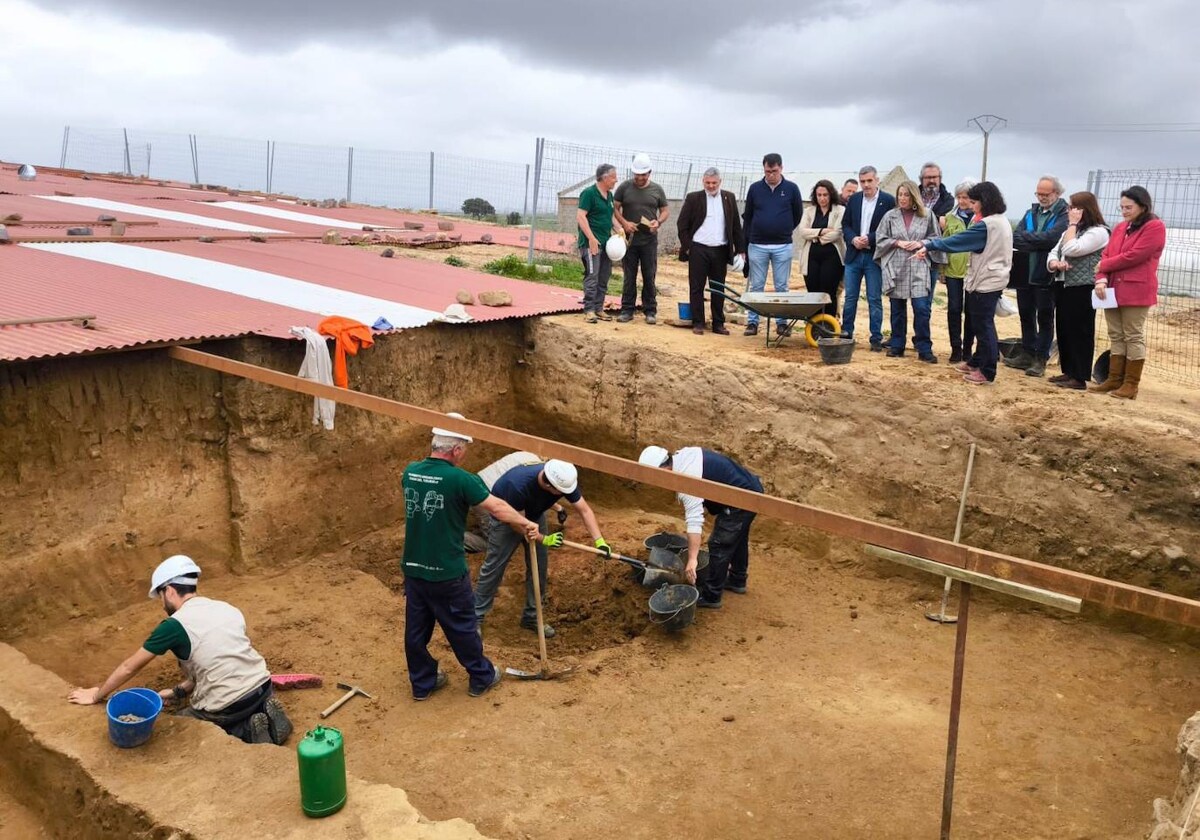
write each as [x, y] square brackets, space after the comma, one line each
[268, 166]
[349, 171]
[525, 210]
[431, 180]
[941, 617]
[687, 181]
[128, 164]
[66, 137]
[960, 658]
[987, 123]
[194, 144]
[148, 147]
[537, 182]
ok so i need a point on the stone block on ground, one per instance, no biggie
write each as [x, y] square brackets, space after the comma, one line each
[499, 298]
[388, 253]
[444, 225]
[488, 238]
[415, 226]
[331, 237]
[467, 299]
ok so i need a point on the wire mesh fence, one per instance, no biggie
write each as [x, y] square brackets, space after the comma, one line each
[1173, 328]
[404, 179]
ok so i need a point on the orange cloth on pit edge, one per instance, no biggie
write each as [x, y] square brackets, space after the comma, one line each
[350, 335]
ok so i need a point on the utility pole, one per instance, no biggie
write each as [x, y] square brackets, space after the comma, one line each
[987, 123]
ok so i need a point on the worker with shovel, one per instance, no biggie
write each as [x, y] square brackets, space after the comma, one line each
[437, 584]
[729, 543]
[532, 489]
[224, 676]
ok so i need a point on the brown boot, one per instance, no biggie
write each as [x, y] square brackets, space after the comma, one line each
[1116, 375]
[1133, 377]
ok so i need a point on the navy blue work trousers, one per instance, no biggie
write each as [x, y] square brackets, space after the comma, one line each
[451, 605]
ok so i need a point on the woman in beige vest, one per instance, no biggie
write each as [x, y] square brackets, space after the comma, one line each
[990, 239]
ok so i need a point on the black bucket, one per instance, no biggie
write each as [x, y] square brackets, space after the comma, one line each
[836, 351]
[1100, 369]
[674, 607]
[1008, 347]
[674, 542]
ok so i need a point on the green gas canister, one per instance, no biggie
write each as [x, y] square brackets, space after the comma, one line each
[322, 762]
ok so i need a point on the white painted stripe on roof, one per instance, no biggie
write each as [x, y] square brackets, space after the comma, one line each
[156, 213]
[247, 282]
[293, 215]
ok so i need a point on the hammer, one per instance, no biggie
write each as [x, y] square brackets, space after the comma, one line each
[351, 690]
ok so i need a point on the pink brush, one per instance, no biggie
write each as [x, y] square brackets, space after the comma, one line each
[286, 682]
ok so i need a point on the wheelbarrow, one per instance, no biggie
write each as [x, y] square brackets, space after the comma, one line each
[790, 307]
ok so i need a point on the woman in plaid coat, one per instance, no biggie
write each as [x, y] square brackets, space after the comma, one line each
[907, 280]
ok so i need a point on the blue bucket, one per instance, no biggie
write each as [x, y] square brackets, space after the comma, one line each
[685, 311]
[142, 702]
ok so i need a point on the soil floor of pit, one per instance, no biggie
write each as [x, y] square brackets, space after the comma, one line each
[781, 715]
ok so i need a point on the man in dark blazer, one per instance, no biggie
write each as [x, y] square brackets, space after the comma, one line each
[710, 236]
[858, 230]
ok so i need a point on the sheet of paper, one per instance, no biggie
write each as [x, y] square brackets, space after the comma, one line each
[1109, 302]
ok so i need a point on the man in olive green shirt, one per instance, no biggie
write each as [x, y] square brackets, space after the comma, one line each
[595, 219]
[437, 585]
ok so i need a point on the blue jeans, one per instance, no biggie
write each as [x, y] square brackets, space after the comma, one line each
[921, 339]
[449, 604]
[502, 542]
[981, 309]
[857, 266]
[780, 258]
[1036, 307]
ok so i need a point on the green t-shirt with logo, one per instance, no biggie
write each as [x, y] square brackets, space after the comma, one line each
[599, 215]
[437, 496]
[638, 203]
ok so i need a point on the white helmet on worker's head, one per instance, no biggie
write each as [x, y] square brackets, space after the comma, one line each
[615, 248]
[562, 476]
[653, 456]
[641, 164]
[447, 433]
[178, 568]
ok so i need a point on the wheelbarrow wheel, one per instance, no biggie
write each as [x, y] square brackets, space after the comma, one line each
[819, 326]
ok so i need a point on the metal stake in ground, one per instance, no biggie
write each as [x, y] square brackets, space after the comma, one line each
[941, 617]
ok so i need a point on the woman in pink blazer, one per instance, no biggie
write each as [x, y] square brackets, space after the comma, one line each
[1129, 270]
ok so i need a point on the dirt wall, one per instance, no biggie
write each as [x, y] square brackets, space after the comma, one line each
[109, 463]
[1061, 483]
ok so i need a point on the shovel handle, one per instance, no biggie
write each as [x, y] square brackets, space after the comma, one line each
[634, 561]
[338, 704]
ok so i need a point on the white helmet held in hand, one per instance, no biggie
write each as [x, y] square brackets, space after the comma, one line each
[641, 163]
[615, 248]
[653, 456]
[178, 568]
[738, 262]
[562, 476]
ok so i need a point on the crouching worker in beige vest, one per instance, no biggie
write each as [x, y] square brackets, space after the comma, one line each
[225, 678]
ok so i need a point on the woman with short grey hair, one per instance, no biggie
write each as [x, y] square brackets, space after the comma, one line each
[962, 335]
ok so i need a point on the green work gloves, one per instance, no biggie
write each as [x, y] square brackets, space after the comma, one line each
[553, 540]
[603, 546]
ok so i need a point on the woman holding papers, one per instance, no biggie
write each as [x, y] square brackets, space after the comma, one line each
[1128, 269]
[1072, 263]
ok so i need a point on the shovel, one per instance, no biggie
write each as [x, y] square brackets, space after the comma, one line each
[544, 673]
[643, 565]
[941, 617]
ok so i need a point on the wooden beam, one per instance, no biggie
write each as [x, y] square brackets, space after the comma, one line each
[165, 237]
[1109, 593]
[1008, 587]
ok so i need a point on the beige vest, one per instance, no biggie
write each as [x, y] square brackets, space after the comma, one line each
[989, 270]
[223, 664]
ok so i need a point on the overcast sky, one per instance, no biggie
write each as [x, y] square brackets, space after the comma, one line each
[830, 86]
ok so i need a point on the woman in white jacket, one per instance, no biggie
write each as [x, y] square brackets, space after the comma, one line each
[824, 252]
[1072, 263]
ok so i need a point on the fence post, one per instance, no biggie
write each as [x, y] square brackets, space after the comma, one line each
[687, 181]
[148, 148]
[66, 136]
[269, 163]
[525, 210]
[537, 180]
[431, 180]
[1091, 175]
[194, 145]
[349, 171]
[1096, 181]
[128, 163]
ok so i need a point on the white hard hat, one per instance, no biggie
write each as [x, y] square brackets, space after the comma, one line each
[562, 476]
[641, 163]
[447, 433]
[738, 262]
[178, 568]
[26, 172]
[615, 248]
[653, 456]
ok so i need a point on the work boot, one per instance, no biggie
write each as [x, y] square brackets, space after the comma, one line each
[956, 356]
[927, 358]
[1037, 367]
[589, 317]
[602, 315]
[260, 729]
[439, 682]
[624, 318]
[280, 724]
[475, 692]
[1060, 379]
[704, 604]
[651, 320]
[751, 329]
[1116, 375]
[1133, 378]
[531, 626]
[1021, 360]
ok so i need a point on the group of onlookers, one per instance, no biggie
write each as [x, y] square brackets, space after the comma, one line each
[1060, 258]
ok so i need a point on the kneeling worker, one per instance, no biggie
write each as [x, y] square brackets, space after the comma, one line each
[225, 677]
[532, 489]
[729, 543]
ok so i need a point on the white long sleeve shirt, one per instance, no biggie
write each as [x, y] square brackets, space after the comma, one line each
[690, 461]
